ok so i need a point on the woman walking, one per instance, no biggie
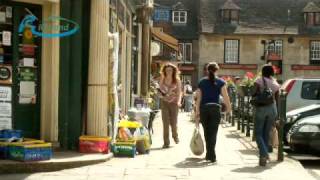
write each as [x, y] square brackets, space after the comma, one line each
[188, 96]
[265, 114]
[208, 109]
[170, 88]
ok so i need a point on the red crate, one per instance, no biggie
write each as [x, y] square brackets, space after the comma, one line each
[94, 144]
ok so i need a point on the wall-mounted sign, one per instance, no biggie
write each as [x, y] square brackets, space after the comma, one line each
[5, 110]
[5, 74]
[27, 74]
[239, 66]
[305, 67]
[5, 93]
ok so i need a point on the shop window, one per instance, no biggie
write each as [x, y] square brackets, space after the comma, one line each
[179, 17]
[315, 52]
[231, 51]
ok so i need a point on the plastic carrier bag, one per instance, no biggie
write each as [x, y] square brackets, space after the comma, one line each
[196, 144]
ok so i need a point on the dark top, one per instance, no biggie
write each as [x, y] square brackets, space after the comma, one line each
[210, 92]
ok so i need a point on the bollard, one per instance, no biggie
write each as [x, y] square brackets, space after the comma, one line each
[248, 116]
[233, 106]
[242, 115]
[282, 115]
[239, 112]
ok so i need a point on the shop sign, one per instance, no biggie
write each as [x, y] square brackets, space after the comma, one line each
[186, 68]
[305, 67]
[5, 110]
[27, 74]
[5, 93]
[61, 26]
[239, 66]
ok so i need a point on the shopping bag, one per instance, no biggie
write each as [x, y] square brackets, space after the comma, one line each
[196, 144]
[273, 140]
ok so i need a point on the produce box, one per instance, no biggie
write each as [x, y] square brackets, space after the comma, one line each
[94, 144]
[127, 148]
[28, 151]
[7, 133]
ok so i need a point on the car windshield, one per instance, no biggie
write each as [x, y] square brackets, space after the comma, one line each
[310, 90]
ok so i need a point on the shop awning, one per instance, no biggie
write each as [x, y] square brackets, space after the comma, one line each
[165, 39]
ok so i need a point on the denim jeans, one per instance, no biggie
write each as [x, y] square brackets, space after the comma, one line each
[210, 118]
[264, 118]
[188, 103]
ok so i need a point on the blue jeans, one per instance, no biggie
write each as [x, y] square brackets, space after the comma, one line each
[264, 118]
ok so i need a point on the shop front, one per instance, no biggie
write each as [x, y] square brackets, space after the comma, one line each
[28, 62]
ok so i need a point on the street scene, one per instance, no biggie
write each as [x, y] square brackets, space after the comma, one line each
[159, 89]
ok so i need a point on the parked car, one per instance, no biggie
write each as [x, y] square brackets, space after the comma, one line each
[305, 134]
[301, 92]
[295, 115]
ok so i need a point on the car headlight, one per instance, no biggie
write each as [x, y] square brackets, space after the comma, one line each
[292, 118]
[309, 128]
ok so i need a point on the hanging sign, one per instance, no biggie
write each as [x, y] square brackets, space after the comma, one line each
[5, 93]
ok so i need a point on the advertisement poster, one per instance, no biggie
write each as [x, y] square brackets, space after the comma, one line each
[5, 93]
[5, 123]
[27, 74]
[5, 110]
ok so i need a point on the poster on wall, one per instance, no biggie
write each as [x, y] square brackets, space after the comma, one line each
[5, 123]
[6, 38]
[5, 109]
[5, 74]
[5, 93]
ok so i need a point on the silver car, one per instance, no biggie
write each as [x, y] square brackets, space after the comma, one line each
[302, 92]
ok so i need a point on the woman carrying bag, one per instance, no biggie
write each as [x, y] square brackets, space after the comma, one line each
[264, 98]
[208, 109]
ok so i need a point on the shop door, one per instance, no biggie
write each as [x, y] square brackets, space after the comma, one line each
[26, 73]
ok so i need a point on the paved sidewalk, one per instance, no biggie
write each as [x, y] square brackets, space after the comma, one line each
[236, 159]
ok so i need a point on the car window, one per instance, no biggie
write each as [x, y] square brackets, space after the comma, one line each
[310, 90]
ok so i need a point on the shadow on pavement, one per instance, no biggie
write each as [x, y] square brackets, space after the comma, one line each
[255, 169]
[249, 152]
[193, 163]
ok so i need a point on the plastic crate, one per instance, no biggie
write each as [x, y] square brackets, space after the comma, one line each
[94, 144]
[30, 152]
[7, 133]
[4, 150]
[127, 149]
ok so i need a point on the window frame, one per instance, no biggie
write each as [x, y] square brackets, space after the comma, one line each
[275, 47]
[226, 16]
[225, 52]
[302, 95]
[179, 17]
[313, 19]
[314, 61]
[183, 53]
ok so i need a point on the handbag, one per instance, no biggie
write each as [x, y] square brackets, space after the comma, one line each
[263, 98]
[196, 144]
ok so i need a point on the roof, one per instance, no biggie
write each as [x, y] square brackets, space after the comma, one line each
[230, 5]
[182, 32]
[258, 17]
[311, 7]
